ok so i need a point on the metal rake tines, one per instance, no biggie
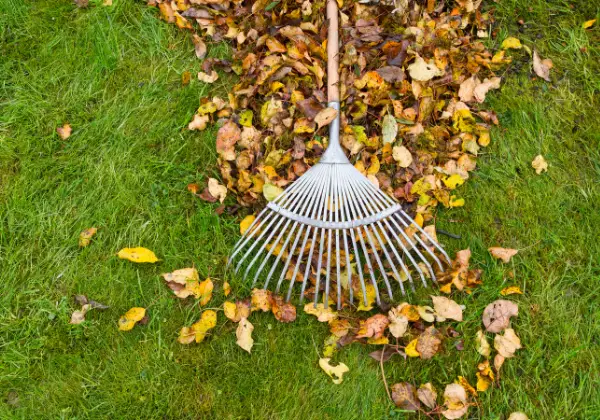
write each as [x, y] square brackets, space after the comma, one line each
[333, 227]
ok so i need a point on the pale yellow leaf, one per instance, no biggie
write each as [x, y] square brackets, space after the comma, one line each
[243, 334]
[336, 373]
[539, 164]
[217, 190]
[504, 254]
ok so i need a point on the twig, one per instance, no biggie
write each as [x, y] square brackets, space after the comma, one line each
[387, 389]
[451, 235]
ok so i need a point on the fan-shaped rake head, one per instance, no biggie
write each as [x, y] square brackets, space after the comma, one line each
[335, 229]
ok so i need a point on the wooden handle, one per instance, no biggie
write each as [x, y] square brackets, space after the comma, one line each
[333, 92]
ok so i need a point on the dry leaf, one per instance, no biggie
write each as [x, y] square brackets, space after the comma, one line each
[77, 317]
[370, 294]
[86, 236]
[404, 396]
[427, 395]
[485, 376]
[541, 67]
[261, 300]
[429, 343]
[226, 289]
[483, 347]
[498, 362]
[236, 311]
[208, 78]
[244, 334]
[325, 116]
[283, 311]
[411, 349]
[339, 327]
[271, 192]
[138, 255]
[588, 24]
[402, 155]
[64, 132]
[398, 323]
[511, 43]
[511, 291]
[504, 254]
[197, 332]
[199, 122]
[246, 223]
[131, 317]
[517, 415]
[455, 402]
[217, 190]
[447, 308]
[199, 46]
[205, 289]
[422, 71]
[496, 316]
[323, 314]
[507, 344]
[336, 373]
[539, 164]
[373, 327]
[183, 282]
[389, 129]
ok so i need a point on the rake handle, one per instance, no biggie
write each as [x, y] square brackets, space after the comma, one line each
[333, 49]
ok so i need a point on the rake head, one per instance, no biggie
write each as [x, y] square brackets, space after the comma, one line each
[335, 229]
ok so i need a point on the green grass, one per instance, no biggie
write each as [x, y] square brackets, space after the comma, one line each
[115, 75]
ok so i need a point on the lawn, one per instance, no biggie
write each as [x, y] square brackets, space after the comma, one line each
[114, 73]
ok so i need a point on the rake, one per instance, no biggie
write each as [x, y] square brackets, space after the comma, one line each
[336, 209]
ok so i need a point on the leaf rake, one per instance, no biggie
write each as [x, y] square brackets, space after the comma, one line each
[336, 209]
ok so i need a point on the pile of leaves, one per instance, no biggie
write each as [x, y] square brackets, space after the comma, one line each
[412, 78]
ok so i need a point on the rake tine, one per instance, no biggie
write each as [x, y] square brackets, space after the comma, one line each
[289, 258]
[259, 239]
[349, 215]
[429, 238]
[323, 215]
[264, 245]
[348, 266]
[337, 241]
[283, 248]
[249, 234]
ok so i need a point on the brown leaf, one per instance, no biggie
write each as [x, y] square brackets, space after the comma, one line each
[283, 311]
[325, 117]
[86, 236]
[496, 316]
[447, 308]
[455, 401]
[427, 395]
[429, 342]
[227, 137]
[386, 353]
[404, 396]
[504, 254]
[391, 74]
[199, 46]
[309, 107]
[373, 327]
[507, 344]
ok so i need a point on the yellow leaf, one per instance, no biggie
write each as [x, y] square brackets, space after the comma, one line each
[260, 300]
[380, 341]
[184, 282]
[454, 181]
[539, 164]
[511, 43]
[205, 291]
[588, 23]
[411, 349]
[246, 222]
[226, 289]
[64, 132]
[246, 118]
[504, 254]
[370, 291]
[323, 314]
[325, 116]
[208, 78]
[131, 317]
[244, 335]
[483, 347]
[236, 311]
[511, 291]
[138, 255]
[336, 373]
[375, 165]
[456, 202]
[419, 219]
[271, 192]
[330, 345]
[208, 320]
[216, 189]
[86, 236]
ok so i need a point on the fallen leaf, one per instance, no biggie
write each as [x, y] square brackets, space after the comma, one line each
[507, 344]
[336, 373]
[511, 43]
[246, 223]
[199, 46]
[205, 291]
[373, 327]
[77, 317]
[199, 122]
[447, 308]
[283, 311]
[504, 254]
[208, 78]
[402, 155]
[370, 294]
[236, 311]
[588, 24]
[271, 192]
[260, 300]
[183, 282]
[339, 327]
[384, 354]
[496, 316]
[429, 343]
[138, 255]
[517, 415]
[498, 362]
[398, 323]
[483, 347]
[227, 137]
[539, 164]
[244, 334]
[197, 332]
[131, 317]
[485, 376]
[511, 291]
[64, 132]
[389, 129]
[107, 2]
[404, 396]
[455, 401]
[541, 67]
[422, 71]
[86, 236]
[411, 349]
[427, 395]
[226, 289]
[81, 3]
[323, 314]
[325, 117]
[217, 190]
